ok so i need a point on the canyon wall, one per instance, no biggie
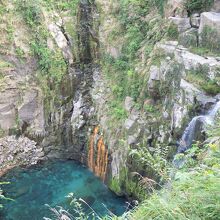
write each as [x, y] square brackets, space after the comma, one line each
[85, 85]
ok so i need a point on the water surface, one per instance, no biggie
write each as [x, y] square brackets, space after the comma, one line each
[49, 183]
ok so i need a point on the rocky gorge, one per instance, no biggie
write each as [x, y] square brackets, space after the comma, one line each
[78, 82]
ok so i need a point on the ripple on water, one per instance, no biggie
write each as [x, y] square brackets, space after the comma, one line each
[49, 183]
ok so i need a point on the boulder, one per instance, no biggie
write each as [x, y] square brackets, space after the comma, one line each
[209, 30]
[206, 101]
[154, 79]
[129, 124]
[211, 20]
[168, 47]
[209, 65]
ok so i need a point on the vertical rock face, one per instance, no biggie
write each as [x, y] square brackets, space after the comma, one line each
[56, 114]
[97, 154]
[84, 18]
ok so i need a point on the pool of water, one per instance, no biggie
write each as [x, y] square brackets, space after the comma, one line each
[50, 183]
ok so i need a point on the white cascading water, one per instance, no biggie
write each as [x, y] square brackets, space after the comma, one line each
[197, 123]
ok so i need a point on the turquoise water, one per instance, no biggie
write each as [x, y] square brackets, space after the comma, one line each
[49, 183]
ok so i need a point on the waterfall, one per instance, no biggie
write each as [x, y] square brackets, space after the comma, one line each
[196, 126]
[97, 155]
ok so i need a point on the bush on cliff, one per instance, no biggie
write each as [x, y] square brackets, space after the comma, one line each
[195, 191]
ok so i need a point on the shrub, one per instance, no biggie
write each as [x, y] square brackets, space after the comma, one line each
[198, 5]
[195, 192]
[211, 87]
[172, 31]
[31, 11]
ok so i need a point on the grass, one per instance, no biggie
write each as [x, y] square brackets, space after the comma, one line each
[193, 194]
[203, 51]
[5, 65]
[172, 31]
[211, 87]
[210, 38]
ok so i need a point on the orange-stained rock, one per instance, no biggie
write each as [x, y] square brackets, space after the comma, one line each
[98, 159]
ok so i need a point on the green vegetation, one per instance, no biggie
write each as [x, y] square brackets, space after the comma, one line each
[52, 66]
[200, 77]
[203, 51]
[135, 185]
[51, 63]
[20, 53]
[157, 57]
[62, 5]
[210, 39]
[78, 205]
[194, 193]
[198, 5]
[172, 31]
[139, 35]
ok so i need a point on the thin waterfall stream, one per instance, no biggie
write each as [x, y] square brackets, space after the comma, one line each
[196, 125]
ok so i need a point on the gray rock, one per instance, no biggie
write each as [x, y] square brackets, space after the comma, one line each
[132, 139]
[206, 101]
[210, 27]
[154, 77]
[178, 114]
[217, 97]
[77, 118]
[129, 104]
[216, 6]
[210, 19]
[183, 24]
[168, 47]
[195, 20]
[129, 124]
[16, 152]
[61, 41]
[175, 8]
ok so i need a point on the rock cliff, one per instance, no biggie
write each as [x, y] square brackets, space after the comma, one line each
[96, 82]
